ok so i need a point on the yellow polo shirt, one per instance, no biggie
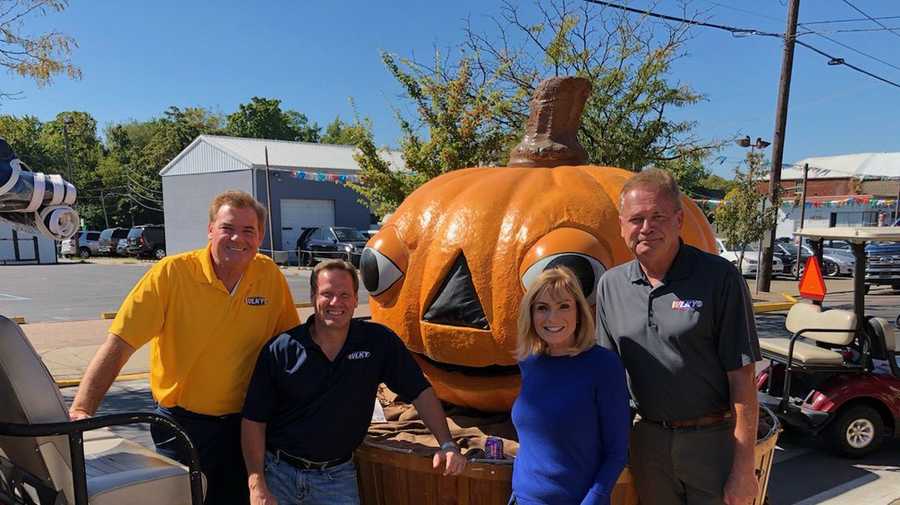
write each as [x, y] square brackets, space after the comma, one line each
[204, 341]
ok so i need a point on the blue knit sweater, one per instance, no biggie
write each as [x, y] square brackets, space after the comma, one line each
[573, 422]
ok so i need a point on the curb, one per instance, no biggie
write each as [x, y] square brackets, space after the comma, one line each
[72, 383]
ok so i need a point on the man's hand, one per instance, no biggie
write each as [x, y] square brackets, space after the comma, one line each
[741, 487]
[456, 463]
[259, 491]
[76, 414]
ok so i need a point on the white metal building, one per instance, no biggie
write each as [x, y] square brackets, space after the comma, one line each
[17, 247]
[845, 190]
[306, 183]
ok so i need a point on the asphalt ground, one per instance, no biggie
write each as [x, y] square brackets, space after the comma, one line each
[77, 291]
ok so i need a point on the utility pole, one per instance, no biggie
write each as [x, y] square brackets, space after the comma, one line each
[67, 120]
[802, 217]
[781, 109]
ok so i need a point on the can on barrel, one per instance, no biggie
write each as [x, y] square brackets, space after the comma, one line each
[493, 448]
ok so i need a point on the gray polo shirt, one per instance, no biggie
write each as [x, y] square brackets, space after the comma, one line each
[679, 339]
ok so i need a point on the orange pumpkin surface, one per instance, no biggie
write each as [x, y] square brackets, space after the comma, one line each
[449, 268]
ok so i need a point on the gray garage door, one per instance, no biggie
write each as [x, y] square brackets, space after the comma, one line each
[302, 213]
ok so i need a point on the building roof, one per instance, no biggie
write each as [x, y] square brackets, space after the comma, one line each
[860, 166]
[247, 153]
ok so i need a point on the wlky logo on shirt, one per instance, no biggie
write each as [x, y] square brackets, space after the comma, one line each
[687, 305]
[359, 355]
[256, 300]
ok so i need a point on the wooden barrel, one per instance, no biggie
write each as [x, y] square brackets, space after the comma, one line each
[764, 453]
[392, 476]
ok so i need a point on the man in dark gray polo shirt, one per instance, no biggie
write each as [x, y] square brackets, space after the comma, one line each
[682, 322]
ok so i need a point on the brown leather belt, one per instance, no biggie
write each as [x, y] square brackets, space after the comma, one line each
[699, 422]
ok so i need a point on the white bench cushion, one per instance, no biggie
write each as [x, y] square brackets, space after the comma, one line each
[803, 352]
[120, 471]
[807, 316]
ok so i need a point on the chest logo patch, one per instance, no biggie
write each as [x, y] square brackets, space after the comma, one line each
[256, 300]
[687, 305]
[359, 355]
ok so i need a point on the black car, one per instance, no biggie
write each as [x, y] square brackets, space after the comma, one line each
[148, 241]
[109, 239]
[325, 242]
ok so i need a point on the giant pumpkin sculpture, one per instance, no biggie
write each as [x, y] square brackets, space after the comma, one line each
[448, 270]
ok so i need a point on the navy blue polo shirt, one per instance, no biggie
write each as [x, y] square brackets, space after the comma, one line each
[320, 409]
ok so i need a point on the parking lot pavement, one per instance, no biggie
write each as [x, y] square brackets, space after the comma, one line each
[76, 291]
[129, 396]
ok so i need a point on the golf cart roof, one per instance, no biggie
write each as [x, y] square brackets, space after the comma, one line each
[856, 234]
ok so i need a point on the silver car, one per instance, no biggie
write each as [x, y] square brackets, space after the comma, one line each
[84, 244]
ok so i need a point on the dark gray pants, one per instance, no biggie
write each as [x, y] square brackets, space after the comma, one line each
[681, 466]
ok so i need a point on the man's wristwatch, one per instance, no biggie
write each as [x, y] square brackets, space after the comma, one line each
[449, 445]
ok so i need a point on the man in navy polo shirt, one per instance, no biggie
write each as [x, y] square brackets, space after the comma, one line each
[310, 399]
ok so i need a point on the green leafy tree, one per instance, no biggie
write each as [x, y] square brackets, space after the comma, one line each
[340, 132]
[263, 118]
[463, 123]
[23, 134]
[745, 214]
[39, 57]
[471, 107]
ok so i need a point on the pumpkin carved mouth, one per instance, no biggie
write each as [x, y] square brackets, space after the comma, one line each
[456, 302]
[471, 371]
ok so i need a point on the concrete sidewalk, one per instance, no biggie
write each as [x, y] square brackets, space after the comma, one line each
[67, 347]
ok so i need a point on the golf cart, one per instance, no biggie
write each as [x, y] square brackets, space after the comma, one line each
[838, 373]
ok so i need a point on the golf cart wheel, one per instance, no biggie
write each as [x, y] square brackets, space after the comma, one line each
[831, 269]
[857, 431]
[84, 253]
[798, 270]
[159, 253]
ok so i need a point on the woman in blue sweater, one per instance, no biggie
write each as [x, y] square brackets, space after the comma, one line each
[572, 413]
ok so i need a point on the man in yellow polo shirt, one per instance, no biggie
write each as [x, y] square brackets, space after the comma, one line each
[206, 314]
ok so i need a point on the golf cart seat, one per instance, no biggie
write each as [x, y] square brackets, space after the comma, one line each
[886, 330]
[48, 460]
[832, 327]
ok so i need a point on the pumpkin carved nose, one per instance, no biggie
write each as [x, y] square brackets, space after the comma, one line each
[456, 302]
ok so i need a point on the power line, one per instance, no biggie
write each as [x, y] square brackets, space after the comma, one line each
[832, 60]
[853, 20]
[857, 51]
[879, 23]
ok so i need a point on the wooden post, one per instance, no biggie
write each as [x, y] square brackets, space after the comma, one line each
[802, 213]
[781, 109]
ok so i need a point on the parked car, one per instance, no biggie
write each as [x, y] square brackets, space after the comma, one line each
[750, 263]
[83, 244]
[122, 247]
[147, 240]
[883, 265]
[835, 262]
[109, 240]
[323, 242]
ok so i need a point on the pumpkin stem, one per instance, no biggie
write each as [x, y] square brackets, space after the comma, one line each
[551, 133]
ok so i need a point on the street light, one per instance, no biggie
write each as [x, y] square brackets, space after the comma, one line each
[759, 144]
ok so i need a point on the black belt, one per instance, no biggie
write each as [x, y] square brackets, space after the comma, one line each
[306, 464]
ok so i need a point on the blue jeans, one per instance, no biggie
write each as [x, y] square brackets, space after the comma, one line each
[292, 486]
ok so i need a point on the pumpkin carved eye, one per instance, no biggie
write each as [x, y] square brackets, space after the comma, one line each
[383, 262]
[572, 248]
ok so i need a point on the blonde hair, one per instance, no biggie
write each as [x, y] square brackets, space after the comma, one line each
[238, 200]
[558, 282]
[656, 179]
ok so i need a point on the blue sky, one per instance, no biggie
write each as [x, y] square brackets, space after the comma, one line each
[137, 60]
